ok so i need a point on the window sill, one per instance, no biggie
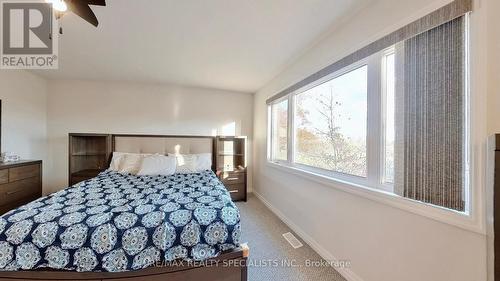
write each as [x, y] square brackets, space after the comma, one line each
[455, 218]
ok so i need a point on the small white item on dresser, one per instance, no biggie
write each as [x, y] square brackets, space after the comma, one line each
[9, 157]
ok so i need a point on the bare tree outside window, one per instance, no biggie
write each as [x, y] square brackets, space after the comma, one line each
[330, 122]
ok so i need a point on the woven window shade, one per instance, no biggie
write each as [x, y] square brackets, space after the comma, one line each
[430, 137]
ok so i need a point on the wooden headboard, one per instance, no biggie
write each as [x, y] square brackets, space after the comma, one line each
[164, 144]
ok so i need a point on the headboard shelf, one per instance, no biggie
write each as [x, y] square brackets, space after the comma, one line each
[90, 154]
[165, 144]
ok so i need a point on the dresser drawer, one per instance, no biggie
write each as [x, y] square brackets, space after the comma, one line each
[232, 178]
[16, 191]
[4, 176]
[237, 191]
[24, 172]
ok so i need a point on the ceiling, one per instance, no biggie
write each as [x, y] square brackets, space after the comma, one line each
[236, 45]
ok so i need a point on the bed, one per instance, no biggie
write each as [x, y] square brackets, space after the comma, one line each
[121, 226]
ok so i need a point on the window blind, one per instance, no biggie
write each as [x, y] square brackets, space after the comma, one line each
[430, 140]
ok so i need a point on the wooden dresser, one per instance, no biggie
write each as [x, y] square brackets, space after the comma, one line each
[20, 183]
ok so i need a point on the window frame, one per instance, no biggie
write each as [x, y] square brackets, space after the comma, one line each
[388, 186]
[334, 174]
[374, 115]
[373, 186]
[271, 134]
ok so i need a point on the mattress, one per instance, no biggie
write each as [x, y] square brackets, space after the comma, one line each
[116, 222]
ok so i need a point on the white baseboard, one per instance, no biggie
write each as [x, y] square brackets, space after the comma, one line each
[347, 273]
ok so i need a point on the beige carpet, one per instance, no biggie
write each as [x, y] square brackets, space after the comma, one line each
[263, 232]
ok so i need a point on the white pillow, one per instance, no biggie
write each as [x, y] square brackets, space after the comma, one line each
[157, 165]
[203, 162]
[131, 163]
[186, 163]
[127, 162]
[193, 163]
[116, 160]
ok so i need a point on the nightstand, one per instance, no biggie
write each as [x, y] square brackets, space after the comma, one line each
[236, 183]
[231, 165]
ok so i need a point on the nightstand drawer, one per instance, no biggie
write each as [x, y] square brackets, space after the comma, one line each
[4, 176]
[232, 178]
[237, 191]
[24, 172]
[18, 190]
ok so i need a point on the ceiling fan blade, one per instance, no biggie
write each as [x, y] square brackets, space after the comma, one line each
[83, 11]
[97, 2]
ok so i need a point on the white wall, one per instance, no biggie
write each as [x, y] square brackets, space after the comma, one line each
[116, 107]
[24, 115]
[382, 242]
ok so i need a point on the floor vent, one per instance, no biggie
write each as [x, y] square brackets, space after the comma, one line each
[292, 240]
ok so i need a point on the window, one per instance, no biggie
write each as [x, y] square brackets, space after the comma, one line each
[330, 124]
[279, 135]
[394, 121]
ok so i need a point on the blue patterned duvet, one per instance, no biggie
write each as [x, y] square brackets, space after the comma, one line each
[118, 222]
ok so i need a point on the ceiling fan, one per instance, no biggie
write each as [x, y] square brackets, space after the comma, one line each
[79, 7]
